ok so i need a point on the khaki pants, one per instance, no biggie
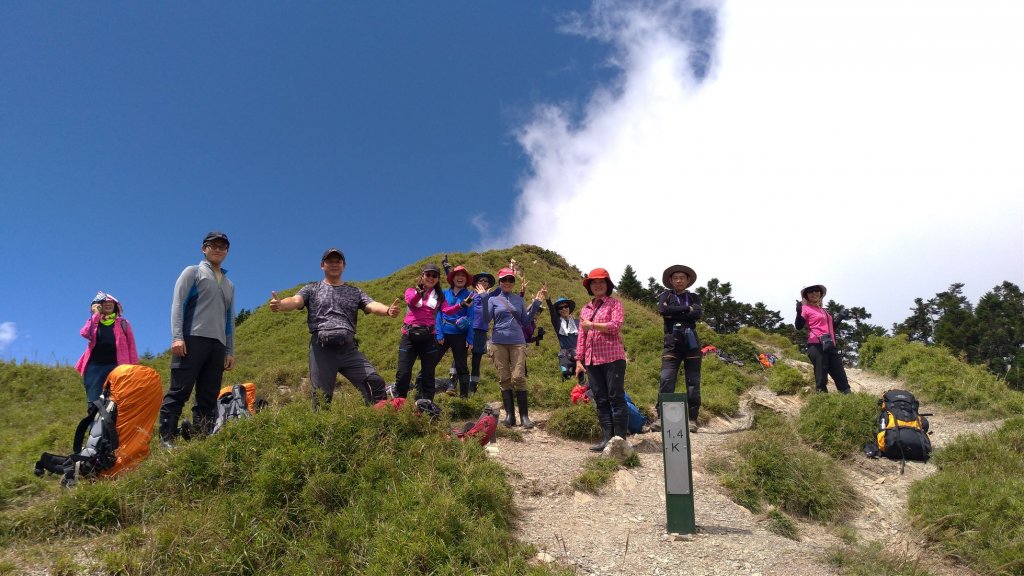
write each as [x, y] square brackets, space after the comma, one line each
[510, 363]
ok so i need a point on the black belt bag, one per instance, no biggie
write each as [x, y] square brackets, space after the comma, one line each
[339, 339]
[419, 333]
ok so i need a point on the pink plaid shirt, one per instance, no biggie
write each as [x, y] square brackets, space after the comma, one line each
[595, 347]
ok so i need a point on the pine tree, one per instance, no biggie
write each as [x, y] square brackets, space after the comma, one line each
[629, 285]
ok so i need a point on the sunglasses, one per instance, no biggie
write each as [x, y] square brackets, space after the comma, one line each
[431, 274]
[563, 308]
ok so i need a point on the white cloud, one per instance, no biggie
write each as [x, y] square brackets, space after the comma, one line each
[870, 146]
[8, 334]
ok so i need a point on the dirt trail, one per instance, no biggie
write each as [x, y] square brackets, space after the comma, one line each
[622, 530]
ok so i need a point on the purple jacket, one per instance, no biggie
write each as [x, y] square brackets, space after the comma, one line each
[124, 340]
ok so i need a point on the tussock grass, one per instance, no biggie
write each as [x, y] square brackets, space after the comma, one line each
[934, 375]
[721, 387]
[772, 467]
[599, 470]
[839, 424]
[575, 422]
[873, 560]
[974, 505]
[777, 342]
[350, 490]
[780, 523]
[785, 379]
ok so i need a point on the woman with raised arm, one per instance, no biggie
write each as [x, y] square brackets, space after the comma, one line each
[111, 343]
[821, 339]
[509, 314]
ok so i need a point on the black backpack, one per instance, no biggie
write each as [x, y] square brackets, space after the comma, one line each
[92, 454]
[902, 429]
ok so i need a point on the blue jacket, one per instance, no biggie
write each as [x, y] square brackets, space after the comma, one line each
[507, 330]
[448, 323]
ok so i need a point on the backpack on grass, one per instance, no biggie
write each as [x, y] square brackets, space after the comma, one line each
[902, 429]
[234, 403]
[115, 435]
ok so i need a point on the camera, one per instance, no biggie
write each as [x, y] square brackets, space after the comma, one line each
[539, 336]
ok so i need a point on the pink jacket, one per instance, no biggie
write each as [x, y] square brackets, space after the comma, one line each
[124, 339]
[420, 312]
[818, 322]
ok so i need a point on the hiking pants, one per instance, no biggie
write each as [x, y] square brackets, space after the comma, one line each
[202, 368]
[827, 364]
[672, 357]
[608, 382]
[94, 378]
[479, 349]
[327, 361]
[567, 365]
[408, 352]
[457, 344]
[510, 364]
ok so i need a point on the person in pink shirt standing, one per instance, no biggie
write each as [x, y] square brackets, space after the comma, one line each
[821, 338]
[424, 301]
[599, 351]
[111, 343]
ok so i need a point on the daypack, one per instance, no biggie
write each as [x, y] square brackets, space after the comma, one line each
[234, 403]
[902, 429]
[115, 434]
[767, 360]
[483, 429]
[636, 418]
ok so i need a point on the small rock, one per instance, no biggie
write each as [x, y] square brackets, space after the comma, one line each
[618, 448]
[681, 537]
[545, 557]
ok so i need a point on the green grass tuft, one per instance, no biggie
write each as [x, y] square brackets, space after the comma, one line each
[772, 467]
[781, 524]
[934, 375]
[575, 422]
[597, 472]
[973, 506]
[873, 560]
[785, 379]
[721, 387]
[839, 424]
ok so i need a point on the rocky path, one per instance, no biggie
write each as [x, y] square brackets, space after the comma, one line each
[622, 530]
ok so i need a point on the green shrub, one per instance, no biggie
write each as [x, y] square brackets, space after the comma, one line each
[776, 342]
[772, 467]
[597, 472]
[839, 424]
[575, 422]
[934, 375]
[736, 346]
[973, 506]
[785, 379]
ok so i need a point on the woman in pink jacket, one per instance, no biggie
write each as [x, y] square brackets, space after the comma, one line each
[111, 343]
[821, 339]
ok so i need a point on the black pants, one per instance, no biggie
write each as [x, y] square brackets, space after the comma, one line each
[203, 369]
[608, 383]
[673, 355]
[567, 365]
[326, 362]
[457, 344]
[827, 364]
[408, 352]
[479, 350]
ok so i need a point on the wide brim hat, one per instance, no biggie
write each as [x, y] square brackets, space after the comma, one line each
[488, 276]
[666, 276]
[803, 293]
[102, 296]
[564, 300]
[598, 274]
[456, 270]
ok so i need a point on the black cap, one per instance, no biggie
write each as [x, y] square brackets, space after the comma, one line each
[331, 251]
[216, 236]
[432, 268]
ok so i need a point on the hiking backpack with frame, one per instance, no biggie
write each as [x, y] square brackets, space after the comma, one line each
[902, 429]
[119, 427]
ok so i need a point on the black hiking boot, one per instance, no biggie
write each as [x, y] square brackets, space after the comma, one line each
[510, 408]
[522, 398]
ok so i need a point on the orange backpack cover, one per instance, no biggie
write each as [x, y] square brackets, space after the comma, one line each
[137, 392]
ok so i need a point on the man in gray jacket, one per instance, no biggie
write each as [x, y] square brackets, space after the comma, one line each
[202, 339]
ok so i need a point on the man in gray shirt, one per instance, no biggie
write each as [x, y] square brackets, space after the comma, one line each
[331, 313]
[202, 339]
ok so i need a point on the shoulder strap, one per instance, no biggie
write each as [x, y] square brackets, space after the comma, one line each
[511, 310]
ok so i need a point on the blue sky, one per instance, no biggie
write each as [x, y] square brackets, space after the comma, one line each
[864, 145]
